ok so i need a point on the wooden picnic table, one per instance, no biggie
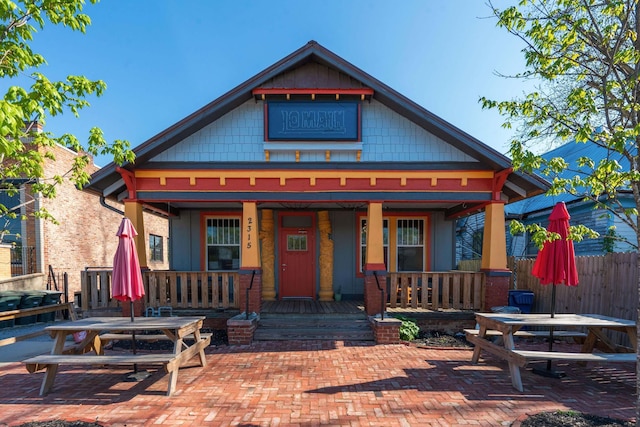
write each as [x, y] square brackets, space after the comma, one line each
[508, 325]
[179, 330]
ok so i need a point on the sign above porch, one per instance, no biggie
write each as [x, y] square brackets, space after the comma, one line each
[312, 114]
[312, 121]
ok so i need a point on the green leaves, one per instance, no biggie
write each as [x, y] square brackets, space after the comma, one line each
[585, 56]
[23, 150]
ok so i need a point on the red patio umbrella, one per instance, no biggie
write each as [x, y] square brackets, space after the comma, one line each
[556, 264]
[126, 283]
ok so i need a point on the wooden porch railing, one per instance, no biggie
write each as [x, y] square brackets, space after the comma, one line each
[461, 290]
[176, 289]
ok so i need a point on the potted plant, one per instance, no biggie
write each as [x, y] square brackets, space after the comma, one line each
[337, 295]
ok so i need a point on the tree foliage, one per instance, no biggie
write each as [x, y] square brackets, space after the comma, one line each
[23, 151]
[585, 55]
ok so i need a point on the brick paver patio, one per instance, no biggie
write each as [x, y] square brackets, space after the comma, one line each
[318, 383]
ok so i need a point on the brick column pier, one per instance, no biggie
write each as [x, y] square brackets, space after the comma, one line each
[496, 288]
[386, 331]
[374, 300]
[255, 294]
[240, 329]
[138, 308]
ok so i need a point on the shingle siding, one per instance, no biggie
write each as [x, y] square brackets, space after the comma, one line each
[239, 136]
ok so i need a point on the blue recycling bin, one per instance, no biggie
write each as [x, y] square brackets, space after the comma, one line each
[522, 299]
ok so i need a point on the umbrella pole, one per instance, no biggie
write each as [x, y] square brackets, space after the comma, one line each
[135, 376]
[133, 343]
[550, 372]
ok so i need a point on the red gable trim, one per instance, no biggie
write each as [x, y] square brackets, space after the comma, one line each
[310, 91]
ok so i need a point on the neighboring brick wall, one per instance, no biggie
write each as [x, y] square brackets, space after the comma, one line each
[5, 261]
[86, 233]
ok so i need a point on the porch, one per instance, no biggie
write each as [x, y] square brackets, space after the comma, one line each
[217, 291]
[448, 306]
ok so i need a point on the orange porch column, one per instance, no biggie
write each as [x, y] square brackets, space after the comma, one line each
[374, 299]
[133, 211]
[494, 257]
[250, 288]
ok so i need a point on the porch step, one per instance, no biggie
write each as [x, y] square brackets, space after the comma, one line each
[335, 327]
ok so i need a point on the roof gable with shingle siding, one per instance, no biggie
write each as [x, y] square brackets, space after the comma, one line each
[239, 136]
[298, 65]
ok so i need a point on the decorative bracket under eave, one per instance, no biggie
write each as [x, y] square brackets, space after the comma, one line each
[129, 180]
[499, 179]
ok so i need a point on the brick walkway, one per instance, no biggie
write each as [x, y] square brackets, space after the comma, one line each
[318, 383]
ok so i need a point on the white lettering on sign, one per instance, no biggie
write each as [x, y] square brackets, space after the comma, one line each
[313, 121]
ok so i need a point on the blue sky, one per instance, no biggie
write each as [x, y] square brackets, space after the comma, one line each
[164, 59]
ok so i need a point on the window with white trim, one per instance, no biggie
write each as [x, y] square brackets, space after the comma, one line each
[404, 243]
[223, 244]
[410, 245]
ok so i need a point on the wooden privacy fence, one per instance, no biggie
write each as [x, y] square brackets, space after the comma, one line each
[608, 285]
[461, 290]
[176, 289]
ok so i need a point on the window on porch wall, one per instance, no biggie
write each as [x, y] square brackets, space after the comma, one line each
[409, 250]
[223, 244]
[410, 245]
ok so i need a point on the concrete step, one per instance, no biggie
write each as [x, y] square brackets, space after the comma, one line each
[314, 316]
[350, 327]
[342, 334]
[314, 323]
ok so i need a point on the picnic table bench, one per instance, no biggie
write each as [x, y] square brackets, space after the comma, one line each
[507, 326]
[176, 329]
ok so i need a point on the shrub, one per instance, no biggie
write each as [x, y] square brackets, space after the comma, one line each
[409, 329]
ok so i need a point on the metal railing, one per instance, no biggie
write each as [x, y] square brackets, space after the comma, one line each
[23, 260]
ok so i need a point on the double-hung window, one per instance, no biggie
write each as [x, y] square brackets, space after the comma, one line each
[155, 248]
[222, 243]
[410, 244]
[404, 243]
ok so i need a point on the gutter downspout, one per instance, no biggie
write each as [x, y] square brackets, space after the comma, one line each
[111, 208]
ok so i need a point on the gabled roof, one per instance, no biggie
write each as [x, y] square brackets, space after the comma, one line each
[570, 152]
[521, 184]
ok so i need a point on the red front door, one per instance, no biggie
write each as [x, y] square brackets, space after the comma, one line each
[297, 258]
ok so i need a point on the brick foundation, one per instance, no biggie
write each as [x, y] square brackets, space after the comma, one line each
[240, 329]
[373, 298]
[496, 289]
[386, 331]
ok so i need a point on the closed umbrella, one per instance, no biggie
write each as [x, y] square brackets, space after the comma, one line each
[126, 284]
[556, 262]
